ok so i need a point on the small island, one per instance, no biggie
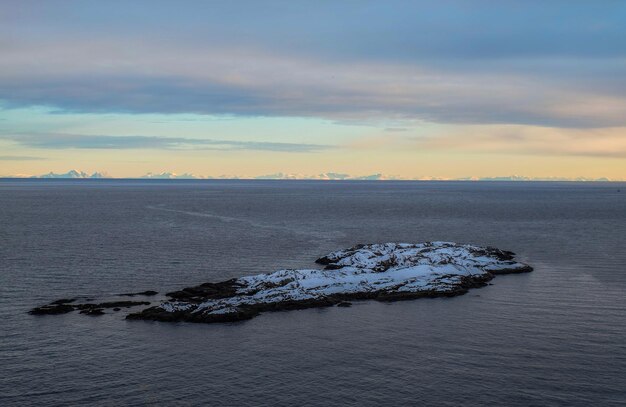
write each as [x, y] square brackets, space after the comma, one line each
[383, 272]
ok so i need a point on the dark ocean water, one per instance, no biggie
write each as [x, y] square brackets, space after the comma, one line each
[556, 336]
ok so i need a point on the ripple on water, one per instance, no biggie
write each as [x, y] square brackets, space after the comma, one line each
[551, 337]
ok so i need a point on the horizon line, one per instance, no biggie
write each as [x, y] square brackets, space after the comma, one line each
[469, 180]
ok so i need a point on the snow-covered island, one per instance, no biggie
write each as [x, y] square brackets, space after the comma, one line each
[384, 272]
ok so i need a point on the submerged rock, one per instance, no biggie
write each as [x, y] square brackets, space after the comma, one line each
[55, 307]
[384, 272]
[113, 304]
[93, 311]
[52, 309]
[147, 293]
[63, 307]
[63, 301]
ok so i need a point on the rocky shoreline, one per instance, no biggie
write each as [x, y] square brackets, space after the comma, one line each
[63, 306]
[382, 272]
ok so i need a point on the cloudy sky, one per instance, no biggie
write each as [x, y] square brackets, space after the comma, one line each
[409, 88]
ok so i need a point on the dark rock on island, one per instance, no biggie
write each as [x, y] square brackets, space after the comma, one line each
[62, 307]
[147, 293]
[51, 309]
[383, 272]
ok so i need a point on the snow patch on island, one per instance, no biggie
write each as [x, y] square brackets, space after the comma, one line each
[386, 271]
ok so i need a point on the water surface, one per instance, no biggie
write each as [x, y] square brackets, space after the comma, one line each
[556, 336]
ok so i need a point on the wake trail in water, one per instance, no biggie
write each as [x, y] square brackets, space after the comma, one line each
[330, 235]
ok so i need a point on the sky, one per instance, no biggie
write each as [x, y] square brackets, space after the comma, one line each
[407, 88]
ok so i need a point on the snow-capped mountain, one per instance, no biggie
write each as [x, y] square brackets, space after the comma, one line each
[171, 175]
[73, 174]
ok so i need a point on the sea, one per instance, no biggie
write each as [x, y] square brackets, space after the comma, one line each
[553, 337]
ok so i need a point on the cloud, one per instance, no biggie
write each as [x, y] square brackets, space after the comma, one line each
[67, 141]
[454, 62]
[603, 142]
[599, 142]
[20, 158]
[262, 84]
[366, 29]
[396, 129]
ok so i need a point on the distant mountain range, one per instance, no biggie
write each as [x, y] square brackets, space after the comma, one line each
[171, 175]
[326, 176]
[73, 174]
[330, 176]
[522, 178]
